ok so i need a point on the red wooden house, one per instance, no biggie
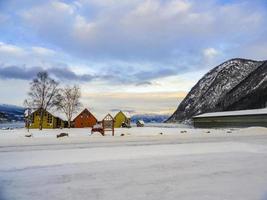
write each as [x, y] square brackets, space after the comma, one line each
[84, 119]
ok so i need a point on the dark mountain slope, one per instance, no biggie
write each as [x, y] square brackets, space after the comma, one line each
[251, 93]
[235, 84]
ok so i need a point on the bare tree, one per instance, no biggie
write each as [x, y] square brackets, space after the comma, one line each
[69, 101]
[43, 94]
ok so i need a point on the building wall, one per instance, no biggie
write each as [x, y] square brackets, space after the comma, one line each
[230, 121]
[84, 119]
[119, 119]
[58, 123]
[49, 120]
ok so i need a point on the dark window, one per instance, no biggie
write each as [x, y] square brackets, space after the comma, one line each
[49, 119]
[32, 118]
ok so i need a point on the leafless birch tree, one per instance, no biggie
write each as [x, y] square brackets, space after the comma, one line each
[69, 102]
[43, 94]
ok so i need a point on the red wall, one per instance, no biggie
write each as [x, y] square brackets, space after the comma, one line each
[84, 119]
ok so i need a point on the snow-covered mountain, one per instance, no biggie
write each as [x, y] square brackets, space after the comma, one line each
[234, 85]
[10, 113]
[150, 118]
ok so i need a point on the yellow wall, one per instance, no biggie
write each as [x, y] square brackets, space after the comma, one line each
[47, 123]
[119, 119]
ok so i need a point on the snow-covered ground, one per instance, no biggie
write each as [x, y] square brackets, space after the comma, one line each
[180, 163]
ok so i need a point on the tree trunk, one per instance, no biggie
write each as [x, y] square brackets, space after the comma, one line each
[41, 119]
[69, 123]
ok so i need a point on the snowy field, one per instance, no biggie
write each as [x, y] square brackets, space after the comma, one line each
[180, 163]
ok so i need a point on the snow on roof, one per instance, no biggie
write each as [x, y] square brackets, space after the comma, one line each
[26, 112]
[76, 114]
[100, 116]
[58, 114]
[53, 112]
[114, 113]
[140, 121]
[127, 114]
[262, 111]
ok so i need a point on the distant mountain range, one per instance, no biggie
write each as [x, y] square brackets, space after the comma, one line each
[11, 113]
[150, 118]
[236, 84]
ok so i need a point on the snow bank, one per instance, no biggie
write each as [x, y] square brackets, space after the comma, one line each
[41, 158]
[134, 131]
[177, 164]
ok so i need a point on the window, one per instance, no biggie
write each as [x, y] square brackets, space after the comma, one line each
[49, 119]
[32, 118]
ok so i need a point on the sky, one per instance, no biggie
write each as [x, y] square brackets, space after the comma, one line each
[143, 56]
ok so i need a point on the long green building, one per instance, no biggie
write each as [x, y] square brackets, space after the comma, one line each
[240, 118]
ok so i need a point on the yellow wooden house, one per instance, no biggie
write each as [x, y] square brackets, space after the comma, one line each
[49, 121]
[120, 119]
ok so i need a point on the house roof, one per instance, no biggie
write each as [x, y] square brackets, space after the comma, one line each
[108, 116]
[82, 112]
[55, 113]
[100, 116]
[126, 114]
[140, 121]
[234, 113]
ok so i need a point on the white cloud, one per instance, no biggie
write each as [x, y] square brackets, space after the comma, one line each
[43, 51]
[11, 49]
[15, 55]
[106, 3]
[156, 8]
[149, 30]
[133, 39]
[210, 53]
[83, 30]
[63, 7]
[177, 6]
[146, 8]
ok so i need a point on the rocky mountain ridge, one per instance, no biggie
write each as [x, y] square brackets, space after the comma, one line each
[233, 85]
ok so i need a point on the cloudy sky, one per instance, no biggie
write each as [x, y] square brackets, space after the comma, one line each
[138, 55]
